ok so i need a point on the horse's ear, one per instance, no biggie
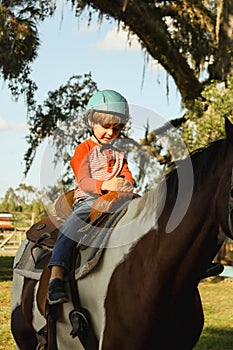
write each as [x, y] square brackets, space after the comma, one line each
[229, 130]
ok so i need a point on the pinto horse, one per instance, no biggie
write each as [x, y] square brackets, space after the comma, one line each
[143, 294]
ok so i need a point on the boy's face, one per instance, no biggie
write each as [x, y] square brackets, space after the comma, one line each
[106, 129]
[106, 133]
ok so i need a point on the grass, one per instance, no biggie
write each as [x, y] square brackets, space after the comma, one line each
[6, 339]
[217, 298]
[6, 263]
[216, 294]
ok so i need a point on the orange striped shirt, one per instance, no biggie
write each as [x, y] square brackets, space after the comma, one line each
[92, 167]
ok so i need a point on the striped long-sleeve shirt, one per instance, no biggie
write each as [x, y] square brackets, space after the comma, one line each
[92, 167]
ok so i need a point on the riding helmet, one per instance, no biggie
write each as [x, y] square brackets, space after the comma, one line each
[108, 101]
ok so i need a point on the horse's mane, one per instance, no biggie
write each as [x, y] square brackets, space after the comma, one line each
[204, 162]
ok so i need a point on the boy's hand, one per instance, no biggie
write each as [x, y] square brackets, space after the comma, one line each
[118, 184]
[127, 187]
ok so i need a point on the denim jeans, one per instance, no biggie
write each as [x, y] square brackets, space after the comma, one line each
[68, 237]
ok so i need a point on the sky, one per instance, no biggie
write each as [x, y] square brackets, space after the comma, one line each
[68, 47]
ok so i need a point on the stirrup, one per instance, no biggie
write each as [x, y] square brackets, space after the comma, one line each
[79, 322]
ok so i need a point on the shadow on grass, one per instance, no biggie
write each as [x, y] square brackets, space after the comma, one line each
[6, 264]
[215, 339]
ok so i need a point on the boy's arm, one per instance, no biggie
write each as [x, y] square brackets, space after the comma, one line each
[126, 172]
[81, 169]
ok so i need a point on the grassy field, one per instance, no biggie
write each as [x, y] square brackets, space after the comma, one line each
[216, 295]
[217, 298]
[6, 340]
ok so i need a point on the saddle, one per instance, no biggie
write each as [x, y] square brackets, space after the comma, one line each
[107, 203]
[44, 232]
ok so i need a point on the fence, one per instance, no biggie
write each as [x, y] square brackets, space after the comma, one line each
[13, 227]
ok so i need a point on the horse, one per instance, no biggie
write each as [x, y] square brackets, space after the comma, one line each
[143, 293]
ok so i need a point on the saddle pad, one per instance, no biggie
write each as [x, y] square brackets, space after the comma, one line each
[32, 261]
[95, 241]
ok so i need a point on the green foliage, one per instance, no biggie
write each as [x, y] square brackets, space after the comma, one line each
[18, 37]
[19, 42]
[60, 118]
[23, 199]
[206, 119]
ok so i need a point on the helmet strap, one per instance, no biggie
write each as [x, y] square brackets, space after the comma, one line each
[93, 134]
[91, 116]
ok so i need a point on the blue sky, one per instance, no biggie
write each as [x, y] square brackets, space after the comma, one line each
[70, 47]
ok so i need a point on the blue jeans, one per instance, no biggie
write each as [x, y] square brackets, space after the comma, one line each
[68, 238]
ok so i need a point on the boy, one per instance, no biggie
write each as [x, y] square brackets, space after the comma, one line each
[98, 168]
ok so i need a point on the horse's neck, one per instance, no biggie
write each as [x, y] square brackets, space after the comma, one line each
[195, 242]
[185, 250]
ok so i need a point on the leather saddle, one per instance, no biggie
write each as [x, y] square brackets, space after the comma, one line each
[45, 231]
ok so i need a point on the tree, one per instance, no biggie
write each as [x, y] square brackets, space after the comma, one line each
[185, 37]
[10, 201]
[23, 199]
[64, 106]
[19, 42]
[206, 119]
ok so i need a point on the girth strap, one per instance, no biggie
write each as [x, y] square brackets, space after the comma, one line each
[52, 327]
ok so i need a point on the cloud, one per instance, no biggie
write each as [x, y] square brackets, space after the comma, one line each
[6, 125]
[117, 40]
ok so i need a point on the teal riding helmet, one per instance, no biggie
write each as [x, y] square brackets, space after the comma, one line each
[108, 101]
